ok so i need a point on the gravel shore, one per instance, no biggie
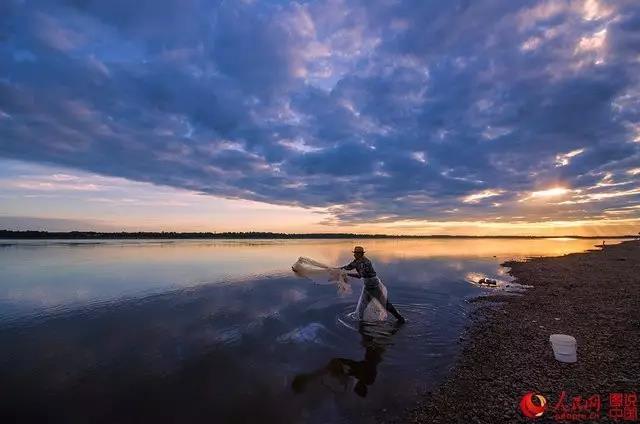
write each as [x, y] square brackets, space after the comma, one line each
[593, 296]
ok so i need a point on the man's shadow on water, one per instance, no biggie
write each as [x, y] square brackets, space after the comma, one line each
[375, 343]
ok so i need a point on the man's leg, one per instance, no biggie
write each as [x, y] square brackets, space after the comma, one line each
[377, 293]
[392, 309]
[366, 298]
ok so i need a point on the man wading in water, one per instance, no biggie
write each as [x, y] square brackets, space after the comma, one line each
[365, 270]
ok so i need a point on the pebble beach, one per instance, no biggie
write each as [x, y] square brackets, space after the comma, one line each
[593, 296]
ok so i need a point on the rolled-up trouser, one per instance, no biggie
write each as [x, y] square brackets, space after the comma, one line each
[372, 290]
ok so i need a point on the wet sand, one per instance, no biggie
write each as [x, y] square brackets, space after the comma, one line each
[593, 296]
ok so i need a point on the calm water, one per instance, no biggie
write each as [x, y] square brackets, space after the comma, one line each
[221, 331]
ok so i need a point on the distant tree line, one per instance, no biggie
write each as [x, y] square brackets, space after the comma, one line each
[9, 234]
[172, 235]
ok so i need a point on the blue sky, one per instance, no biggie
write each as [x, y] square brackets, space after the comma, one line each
[484, 117]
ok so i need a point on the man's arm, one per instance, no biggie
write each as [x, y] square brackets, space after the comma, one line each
[349, 266]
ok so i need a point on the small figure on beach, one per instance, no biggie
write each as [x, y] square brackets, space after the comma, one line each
[371, 290]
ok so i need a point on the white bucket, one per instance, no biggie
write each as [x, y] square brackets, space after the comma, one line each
[564, 347]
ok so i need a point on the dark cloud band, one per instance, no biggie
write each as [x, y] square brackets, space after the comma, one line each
[379, 110]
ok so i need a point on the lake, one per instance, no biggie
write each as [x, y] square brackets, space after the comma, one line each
[223, 331]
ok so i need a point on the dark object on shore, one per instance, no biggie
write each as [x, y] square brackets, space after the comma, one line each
[487, 282]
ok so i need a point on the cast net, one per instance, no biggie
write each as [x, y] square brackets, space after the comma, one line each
[320, 273]
[371, 304]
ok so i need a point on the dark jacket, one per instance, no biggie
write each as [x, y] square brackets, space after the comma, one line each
[363, 267]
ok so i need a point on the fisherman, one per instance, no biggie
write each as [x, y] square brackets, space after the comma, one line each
[364, 269]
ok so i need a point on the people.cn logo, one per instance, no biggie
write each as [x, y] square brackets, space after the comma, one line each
[533, 405]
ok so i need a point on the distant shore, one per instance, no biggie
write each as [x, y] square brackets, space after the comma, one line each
[98, 235]
[593, 296]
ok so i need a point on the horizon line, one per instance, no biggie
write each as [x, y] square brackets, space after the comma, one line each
[78, 234]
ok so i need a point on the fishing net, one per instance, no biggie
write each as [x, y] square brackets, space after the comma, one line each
[371, 304]
[320, 273]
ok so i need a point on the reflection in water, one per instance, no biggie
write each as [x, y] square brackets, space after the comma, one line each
[38, 275]
[215, 331]
[364, 372]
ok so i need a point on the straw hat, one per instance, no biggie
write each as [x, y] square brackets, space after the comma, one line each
[358, 249]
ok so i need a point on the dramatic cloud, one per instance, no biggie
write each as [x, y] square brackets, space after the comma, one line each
[378, 111]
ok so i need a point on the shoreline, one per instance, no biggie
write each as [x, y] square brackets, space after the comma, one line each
[593, 296]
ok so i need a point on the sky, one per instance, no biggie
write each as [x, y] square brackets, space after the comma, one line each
[484, 117]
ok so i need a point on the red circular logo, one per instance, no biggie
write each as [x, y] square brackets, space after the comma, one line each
[533, 405]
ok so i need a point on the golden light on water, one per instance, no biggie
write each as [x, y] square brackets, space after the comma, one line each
[270, 256]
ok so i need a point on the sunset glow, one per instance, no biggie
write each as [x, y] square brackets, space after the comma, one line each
[323, 116]
[551, 192]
